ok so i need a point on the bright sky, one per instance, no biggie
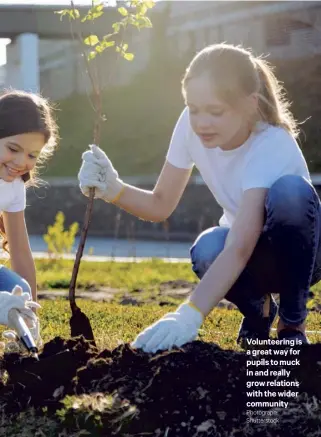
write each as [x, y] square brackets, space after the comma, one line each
[3, 58]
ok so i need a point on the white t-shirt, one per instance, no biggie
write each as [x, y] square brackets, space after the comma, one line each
[12, 195]
[269, 153]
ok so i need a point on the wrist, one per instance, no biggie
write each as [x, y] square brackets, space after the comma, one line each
[192, 313]
[118, 192]
[192, 305]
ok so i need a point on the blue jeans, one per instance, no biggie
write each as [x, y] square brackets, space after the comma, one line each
[286, 259]
[9, 279]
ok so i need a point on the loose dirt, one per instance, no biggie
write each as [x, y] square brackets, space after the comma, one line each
[198, 390]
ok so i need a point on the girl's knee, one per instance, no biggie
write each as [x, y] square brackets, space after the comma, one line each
[9, 279]
[289, 198]
[25, 287]
[206, 248]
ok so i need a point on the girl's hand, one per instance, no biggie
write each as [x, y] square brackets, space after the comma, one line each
[97, 171]
[17, 300]
[27, 311]
[174, 329]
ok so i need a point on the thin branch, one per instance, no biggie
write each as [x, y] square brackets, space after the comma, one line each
[97, 107]
[96, 95]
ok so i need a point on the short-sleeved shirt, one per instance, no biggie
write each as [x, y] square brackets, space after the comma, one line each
[269, 153]
[12, 195]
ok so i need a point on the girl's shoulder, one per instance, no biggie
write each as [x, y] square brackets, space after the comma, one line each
[18, 185]
[183, 125]
[184, 120]
[267, 135]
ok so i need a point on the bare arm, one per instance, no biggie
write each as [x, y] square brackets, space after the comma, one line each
[239, 246]
[156, 205]
[20, 253]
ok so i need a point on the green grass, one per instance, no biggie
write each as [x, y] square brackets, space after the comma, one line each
[114, 324]
[129, 276]
[146, 276]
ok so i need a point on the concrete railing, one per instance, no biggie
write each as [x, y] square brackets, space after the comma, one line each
[196, 211]
[147, 180]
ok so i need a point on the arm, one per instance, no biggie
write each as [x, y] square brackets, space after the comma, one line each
[20, 253]
[239, 246]
[176, 329]
[156, 205]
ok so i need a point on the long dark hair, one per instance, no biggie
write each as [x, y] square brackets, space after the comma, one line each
[22, 112]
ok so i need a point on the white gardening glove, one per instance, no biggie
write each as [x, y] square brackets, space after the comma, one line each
[32, 321]
[97, 171]
[18, 300]
[174, 329]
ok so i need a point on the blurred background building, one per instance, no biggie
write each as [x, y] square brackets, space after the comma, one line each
[284, 29]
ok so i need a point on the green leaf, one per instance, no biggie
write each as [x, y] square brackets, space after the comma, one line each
[72, 13]
[125, 47]
[92, 55]
[123, 11]
[133, 20]
[99, 7]
[93, 13]
[116, 27]
[104, 45]
[99, 48]
[142, 9]
[108, 44]
[129, 56]
[149, 4]
[91, 40]
[76, 13]
[96, 15]
[62, 13]
[145, 22]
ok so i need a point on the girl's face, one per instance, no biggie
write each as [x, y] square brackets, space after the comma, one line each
[216, 123]
[19, 153]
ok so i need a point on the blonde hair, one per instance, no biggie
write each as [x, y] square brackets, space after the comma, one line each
[236, 73]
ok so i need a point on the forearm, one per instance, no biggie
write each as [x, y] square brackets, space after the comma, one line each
[218, 279]
[26, 269]
[141, 203]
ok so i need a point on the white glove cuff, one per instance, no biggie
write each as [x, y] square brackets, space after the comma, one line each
[191, 313]
[114, 190]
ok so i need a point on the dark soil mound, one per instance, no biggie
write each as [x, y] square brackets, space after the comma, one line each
[199, 390]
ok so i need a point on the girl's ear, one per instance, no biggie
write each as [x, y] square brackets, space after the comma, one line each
[251, 108]
[253, 101]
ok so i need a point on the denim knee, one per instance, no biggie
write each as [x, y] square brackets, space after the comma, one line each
[289, 200]
[206, 248]
[9, 279]
[25, 287]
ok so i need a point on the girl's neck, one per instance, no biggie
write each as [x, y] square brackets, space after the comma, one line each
[238, 140]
